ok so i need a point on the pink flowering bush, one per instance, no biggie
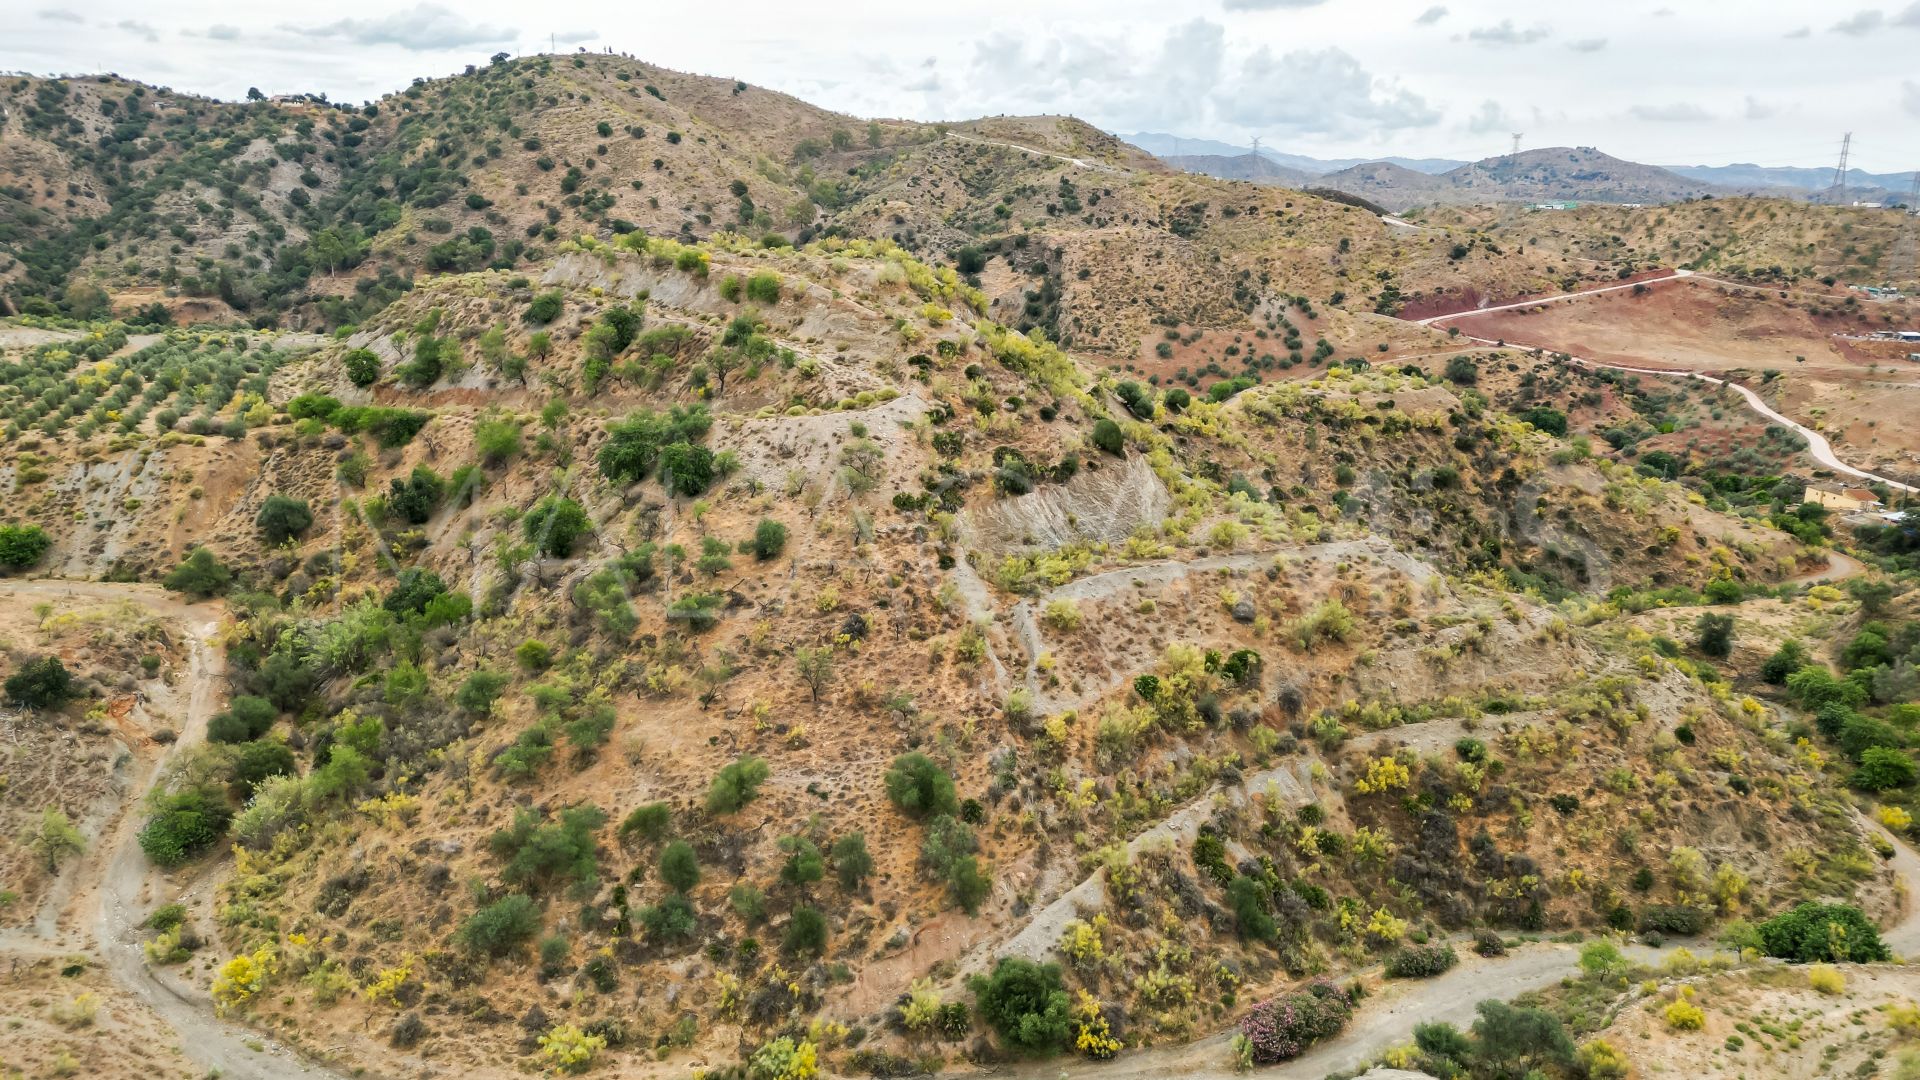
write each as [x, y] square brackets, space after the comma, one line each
[1283, 1028]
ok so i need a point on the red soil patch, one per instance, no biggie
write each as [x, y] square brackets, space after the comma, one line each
[1469, 299]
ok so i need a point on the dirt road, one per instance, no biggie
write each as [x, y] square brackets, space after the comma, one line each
[124, 887]
[1817, 445]
[1388, 1018]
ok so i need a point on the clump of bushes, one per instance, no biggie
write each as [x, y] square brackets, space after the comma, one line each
[1283, 1028]
[1026, 1004]
[1836, 933]
[737, 784]
[1420, 961]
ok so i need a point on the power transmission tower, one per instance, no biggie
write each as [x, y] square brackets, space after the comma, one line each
[1256, 146]
[1516, 143]
[1839, 189]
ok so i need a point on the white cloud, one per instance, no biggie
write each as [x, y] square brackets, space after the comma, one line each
[1268, 5]
[1676, 113]
[1861, 23]
[1318, 91]
[1505, 33]
[1910, 98]
[1588, 45]
[576, 37]
[1759, 110]
[1803, 32]
[1430, 16]
[1909, 17]
[223, 32]
[139, 30]
[420, 28]
[1489, 117]
[61, 15]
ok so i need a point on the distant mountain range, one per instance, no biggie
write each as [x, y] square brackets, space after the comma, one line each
[1544, 175]
[1167, 146]
[1760, 176]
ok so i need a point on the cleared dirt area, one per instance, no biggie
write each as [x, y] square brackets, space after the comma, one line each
[1700, 326]
[1825, 375]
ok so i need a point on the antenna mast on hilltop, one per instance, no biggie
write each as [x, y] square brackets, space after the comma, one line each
[1516, 143]
[1839, 188]
[1256, 146]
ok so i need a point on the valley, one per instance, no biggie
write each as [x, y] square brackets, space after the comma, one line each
[582, 568]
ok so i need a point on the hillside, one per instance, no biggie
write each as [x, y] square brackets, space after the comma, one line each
[333, 213]
[769, 595]
[1759, 239]
[1259, 169]
[882, 525]
[1559, 173]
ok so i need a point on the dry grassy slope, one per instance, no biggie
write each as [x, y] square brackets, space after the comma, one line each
[1559, 172]
[1737, 237]
[40, 163]
[1418, 639]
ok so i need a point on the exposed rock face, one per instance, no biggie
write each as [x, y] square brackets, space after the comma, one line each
[1107, 503]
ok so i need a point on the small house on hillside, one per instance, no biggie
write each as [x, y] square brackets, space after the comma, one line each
[1843, 499]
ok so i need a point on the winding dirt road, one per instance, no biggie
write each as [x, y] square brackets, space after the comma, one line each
[1817, 445]
[123, 887]
[1388, 1017]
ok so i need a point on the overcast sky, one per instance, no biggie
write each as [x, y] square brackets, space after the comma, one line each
[1662, 81]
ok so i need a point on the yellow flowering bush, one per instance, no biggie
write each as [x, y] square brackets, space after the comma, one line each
[242, 977]
[569, 1049]
[1383, 774]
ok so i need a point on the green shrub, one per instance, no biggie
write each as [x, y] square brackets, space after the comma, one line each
[647, 823]
[1834, 933]
[1253, 915]
[247, 718]
[679, 867]
[182, 825]
[1672, 919]
[478, 691]
[362, 367]
[22, 546]
[763, 287]
[920, 787]
[418, 496]
[314, 406]
[1883, 769]
[200, 574]
[1714, 635]
[40, 684]
[673, 918]
[804, 864]
[686, 468]
[769, 539]
[501, 927]
[413, 591]
[546, 307]
[1107, 436]
[541, 854]
[1025, 1003]
[1789, 658]
[736, 785]
[806, 933]
[554, 524]
[851, 862]
[282, 518]
[533, 655]
[496, 440]
[256, 761]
